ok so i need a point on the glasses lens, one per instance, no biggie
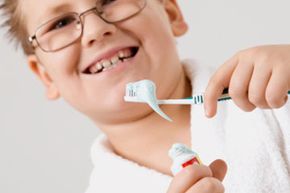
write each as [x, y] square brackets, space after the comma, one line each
[59, 32]
[64, 30]
[117, 10]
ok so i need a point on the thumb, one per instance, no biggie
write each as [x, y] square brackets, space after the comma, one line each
[219, 169]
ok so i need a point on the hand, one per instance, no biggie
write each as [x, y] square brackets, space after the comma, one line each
[199, 179]
[256, 77]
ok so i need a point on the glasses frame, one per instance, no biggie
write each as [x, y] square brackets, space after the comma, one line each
[79, 15]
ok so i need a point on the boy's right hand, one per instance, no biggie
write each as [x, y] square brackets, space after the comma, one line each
[200, 179]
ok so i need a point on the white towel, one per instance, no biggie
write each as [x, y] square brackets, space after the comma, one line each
[255, 145]
[113, 174]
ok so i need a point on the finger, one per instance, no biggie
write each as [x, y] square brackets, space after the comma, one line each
[187, 177]
[219, 169]
[276, 91]
[206, 185]
[258, 85]
[216, 85]
[239, 85]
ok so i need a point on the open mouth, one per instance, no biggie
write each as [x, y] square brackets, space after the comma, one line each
[106, 64]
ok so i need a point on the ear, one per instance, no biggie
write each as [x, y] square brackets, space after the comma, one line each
[52, 92]
[178, 25]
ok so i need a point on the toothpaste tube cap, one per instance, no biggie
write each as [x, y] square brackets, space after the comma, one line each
[182, 156]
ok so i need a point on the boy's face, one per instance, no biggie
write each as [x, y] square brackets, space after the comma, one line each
[100, 95]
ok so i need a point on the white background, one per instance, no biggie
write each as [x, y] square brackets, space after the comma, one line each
[44, 146]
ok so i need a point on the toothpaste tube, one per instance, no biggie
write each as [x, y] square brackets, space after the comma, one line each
[182, 156]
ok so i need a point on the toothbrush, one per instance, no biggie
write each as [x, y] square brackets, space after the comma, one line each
[132, 95]
[144, 91]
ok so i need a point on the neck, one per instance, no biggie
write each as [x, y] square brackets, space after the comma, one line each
[146, 143]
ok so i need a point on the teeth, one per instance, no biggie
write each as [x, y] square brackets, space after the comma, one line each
[99, 66]
[124, 53]
[93, 69]
[115, 60]
[108, 63]
[121, 54]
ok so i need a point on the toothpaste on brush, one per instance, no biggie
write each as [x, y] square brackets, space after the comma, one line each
[182, 156]
[144, 91]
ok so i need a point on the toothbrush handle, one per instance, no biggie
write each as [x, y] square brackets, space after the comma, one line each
[187, 101]
[196, 99]
[226, 96]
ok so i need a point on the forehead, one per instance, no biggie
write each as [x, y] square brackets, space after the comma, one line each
[36, 12]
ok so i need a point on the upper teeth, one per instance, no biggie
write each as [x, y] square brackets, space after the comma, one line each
[111, 62]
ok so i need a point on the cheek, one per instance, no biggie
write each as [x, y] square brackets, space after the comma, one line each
[61, 65]
[159, 33]
[160, 44]
[62, 70]
[160, 47]
[152, 27]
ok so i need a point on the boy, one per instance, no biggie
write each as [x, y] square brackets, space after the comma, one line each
[87, 51]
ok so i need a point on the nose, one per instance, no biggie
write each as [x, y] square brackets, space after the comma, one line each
[95, 29]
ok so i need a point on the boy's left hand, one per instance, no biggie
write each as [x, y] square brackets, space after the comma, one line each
[256, 77]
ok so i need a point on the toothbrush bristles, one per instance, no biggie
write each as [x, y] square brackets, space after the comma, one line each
[132, 93]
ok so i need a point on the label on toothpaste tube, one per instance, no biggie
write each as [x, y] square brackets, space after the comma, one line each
[182, 157]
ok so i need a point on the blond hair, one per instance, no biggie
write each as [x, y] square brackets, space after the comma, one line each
[15, 22]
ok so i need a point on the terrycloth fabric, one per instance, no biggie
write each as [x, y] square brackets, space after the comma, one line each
[255, 145]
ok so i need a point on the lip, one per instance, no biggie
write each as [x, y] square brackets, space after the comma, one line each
[105, 55]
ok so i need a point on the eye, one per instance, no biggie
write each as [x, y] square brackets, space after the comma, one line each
[106, 2]
[62, 22]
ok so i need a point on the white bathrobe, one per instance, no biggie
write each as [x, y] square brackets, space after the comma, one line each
[255, 145]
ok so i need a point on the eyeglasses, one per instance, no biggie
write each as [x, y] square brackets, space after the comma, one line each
[64, 30]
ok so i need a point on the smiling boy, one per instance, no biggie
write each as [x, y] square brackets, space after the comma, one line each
[87, 51]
